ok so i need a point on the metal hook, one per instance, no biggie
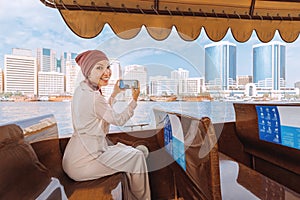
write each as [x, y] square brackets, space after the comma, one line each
[123, 5]
[53, 3]
[75, 2]
[154, 10]
[179, 11]
[248, 14]
[190, 10]
[202, 12]
[138, 6]
[237, 14]
[225, 14]
[213, 11]
[107, 4]
[63, 5]
[166, 8]
[94, 5]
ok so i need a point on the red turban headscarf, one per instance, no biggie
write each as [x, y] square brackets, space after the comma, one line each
[88, 59]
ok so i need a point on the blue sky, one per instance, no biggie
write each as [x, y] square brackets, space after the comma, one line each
[29, 24]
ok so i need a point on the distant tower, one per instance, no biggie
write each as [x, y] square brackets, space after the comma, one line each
[20, 72]
[181, 75]
[269, 65]
[71, 77]
[67, 59]
[1, 80]
[162, 85]
[50, 83]
[220, 65]
[46, 60]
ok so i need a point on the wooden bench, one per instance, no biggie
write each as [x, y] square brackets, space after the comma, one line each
[40, 150]
[279, 162]
[201, 177]
[41, 134]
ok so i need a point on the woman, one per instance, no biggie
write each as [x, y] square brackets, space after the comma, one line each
[88, 155]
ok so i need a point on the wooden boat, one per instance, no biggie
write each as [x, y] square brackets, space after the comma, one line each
[197, 98]
[165, 98]
[59, 98]
[237, 163]
[222, 161]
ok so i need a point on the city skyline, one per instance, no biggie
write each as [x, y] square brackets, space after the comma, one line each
[23, 74]
[22, 29]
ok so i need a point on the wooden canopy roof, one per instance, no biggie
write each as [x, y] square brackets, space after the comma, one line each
[86, 18]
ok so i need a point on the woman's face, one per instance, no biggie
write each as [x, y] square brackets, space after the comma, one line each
[100, 73]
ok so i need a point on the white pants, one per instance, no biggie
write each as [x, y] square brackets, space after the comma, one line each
[80, 165]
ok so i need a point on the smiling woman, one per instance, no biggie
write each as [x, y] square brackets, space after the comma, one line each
[175, 35]
[88, 154]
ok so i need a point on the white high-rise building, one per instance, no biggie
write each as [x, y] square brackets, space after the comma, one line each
[195, 86]
[67, 59]
[137, 72]
[1, 81]
[50, 83]
[21, 52]
[116, 71]
[46, 60]
[20, 74]
[162, 85]
[71, 77]
[181, 75]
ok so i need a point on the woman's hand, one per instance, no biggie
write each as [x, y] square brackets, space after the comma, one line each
[136, 92]
[117, 89]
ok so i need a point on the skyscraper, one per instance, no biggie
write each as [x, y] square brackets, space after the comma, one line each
[67, 59]
[220, 65]
[269, 65]
[71, 77]
[1, 80]
[162, 85]
[181, 75]
[46, 60]
[51, 83]
[20, 73]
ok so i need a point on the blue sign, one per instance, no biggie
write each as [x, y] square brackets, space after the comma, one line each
[168, 135]
[174, 139]
[269, 123]
[279, 124]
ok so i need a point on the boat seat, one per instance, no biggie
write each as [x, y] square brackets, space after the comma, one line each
[201, 178]
[22, 175]
[276, 161]
[50, 153]
[28, 169]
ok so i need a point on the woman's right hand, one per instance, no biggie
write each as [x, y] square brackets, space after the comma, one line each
[117, 89]
[136, 92]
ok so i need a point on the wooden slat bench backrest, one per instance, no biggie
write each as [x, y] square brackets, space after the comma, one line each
[201, 179]
[278, 162]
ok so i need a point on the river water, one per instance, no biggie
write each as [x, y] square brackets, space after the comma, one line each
[217, 111]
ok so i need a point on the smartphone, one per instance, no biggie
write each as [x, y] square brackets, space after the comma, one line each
[128, 84]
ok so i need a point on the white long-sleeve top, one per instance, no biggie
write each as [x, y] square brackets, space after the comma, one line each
[92, 114]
